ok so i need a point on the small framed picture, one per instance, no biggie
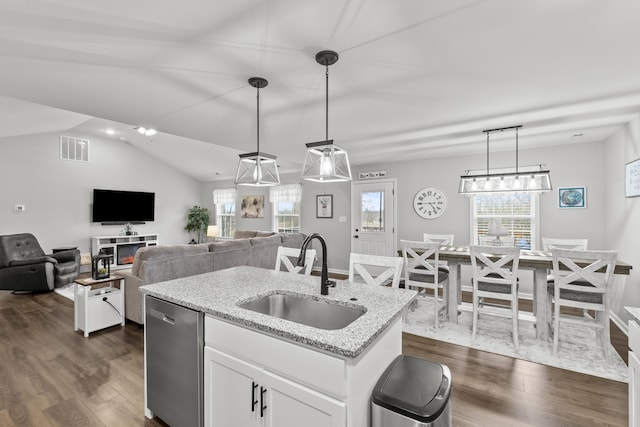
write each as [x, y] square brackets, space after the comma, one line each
[632, 179]
[324, 206]
[572, 197]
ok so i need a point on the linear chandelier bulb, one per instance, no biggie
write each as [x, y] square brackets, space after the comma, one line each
[516, 183]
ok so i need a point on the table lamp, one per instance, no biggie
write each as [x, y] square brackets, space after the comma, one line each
[496, 229]
[212, 231]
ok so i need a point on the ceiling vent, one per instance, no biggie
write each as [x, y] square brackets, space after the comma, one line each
[74, 149]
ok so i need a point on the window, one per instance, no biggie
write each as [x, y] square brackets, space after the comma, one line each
[225, 201]
[518, 213]
[286, 207]
[372, 215]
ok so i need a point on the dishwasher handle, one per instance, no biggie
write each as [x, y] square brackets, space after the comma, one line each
[164, 317]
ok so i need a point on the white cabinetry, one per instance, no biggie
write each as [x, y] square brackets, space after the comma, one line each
[634, 374]
[241, 394]
[254, 379]
[122, 248]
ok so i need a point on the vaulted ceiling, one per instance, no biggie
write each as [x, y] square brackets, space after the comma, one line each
[415, 78]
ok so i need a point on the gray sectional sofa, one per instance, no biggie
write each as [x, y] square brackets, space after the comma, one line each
[155, 264]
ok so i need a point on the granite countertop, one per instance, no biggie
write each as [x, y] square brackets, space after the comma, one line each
[218, 293]
[634, 311]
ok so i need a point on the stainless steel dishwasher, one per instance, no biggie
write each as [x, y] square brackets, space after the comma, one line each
[174, 350]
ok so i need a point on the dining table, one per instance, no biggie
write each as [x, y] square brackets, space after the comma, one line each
[539, 261]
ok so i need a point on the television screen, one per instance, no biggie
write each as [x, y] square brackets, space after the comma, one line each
[123, 206]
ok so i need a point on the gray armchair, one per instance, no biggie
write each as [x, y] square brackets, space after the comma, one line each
[25, 267]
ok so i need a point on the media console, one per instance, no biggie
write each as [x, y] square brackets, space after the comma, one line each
[122, 248]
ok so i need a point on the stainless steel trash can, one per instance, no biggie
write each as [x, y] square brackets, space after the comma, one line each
[412, 392]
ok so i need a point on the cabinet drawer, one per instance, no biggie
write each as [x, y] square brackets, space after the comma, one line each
[312, 368]
[634, 336]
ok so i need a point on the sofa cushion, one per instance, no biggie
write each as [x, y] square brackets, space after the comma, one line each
[244, 234]
[264, 251]
[160, 270]
[159, 253]
[265, 233]
[228, 245]
[293, 240]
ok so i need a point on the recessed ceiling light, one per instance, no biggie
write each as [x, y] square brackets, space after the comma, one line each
[145, 131]
[111, 131]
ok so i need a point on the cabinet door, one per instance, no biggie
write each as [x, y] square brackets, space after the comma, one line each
[634, 390]
[231, 391]
[293, 405]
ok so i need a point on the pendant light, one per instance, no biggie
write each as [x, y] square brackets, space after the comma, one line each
[257, 169]
[522, 182]
[326, 162]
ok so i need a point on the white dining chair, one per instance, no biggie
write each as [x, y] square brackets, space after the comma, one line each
[495, 241]
[495, 276]
[285, 256]
[375, 269]
[576, 244]
[443, 239]
[422, 271]
[584, 287]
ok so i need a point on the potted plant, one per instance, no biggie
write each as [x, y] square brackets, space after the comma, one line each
[198, 220]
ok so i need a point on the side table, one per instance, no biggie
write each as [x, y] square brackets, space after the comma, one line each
[98, 304]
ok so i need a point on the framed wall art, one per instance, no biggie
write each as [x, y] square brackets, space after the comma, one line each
[632, 179]
[572, 197]
[324, 206]
[252, 207]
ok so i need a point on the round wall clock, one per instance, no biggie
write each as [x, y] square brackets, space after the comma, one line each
[429, 203]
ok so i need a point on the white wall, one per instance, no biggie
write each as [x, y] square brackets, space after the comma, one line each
[622, 215]
[58, 193]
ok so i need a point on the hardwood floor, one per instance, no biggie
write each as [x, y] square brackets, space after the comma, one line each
[53, 376]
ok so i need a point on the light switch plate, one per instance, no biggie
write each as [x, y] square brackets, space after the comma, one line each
[19, 208]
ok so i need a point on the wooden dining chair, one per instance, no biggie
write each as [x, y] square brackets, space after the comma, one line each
[495, 276]
[582, 280]
[375, 269]
[422, 271]
[285, 256]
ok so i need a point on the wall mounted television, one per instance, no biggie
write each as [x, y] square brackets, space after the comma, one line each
[119, 207]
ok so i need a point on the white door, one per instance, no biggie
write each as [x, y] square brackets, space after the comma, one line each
[373, 217]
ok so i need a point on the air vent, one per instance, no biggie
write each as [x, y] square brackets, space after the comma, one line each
[74, 149]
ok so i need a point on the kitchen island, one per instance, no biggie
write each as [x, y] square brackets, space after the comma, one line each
[295, 374]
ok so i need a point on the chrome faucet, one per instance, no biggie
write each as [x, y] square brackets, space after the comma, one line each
[325, 283]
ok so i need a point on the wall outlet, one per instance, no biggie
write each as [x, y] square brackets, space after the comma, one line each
[19, 208]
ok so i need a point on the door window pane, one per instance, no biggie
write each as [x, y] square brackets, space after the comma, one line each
[372, 215]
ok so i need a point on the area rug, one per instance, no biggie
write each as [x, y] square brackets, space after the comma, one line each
[578, 348]
[65, 291]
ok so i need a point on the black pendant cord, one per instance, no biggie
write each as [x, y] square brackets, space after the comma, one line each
[327, 103]
[487, 154]
[516, 150]
[258, 119]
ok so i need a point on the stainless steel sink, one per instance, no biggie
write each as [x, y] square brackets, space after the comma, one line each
[305, 310]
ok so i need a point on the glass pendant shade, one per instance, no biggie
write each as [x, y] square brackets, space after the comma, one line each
[326, 162]
[257, 169]
[509, 182]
